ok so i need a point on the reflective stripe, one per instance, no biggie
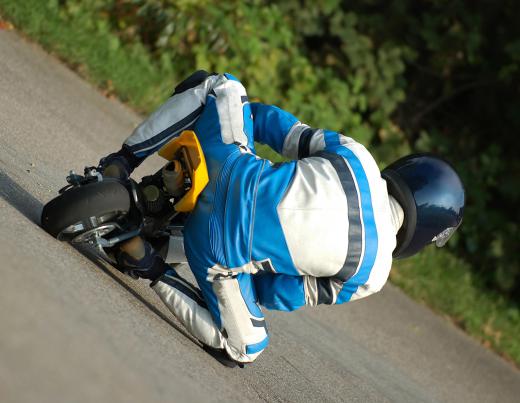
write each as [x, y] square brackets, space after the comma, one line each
[325, 291]
[304, 142]
[354, 218]
[267, 265]
[311, 290]
[169, 132]
[258, 323]
[178, 285]
[370, 235]
[192, 81]
[257, 347]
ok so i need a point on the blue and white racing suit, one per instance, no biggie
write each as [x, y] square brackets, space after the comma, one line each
[315, 230]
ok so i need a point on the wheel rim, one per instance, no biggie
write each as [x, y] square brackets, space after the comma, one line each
[93, 234]
[92, 226]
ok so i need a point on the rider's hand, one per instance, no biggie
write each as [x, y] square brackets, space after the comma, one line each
[120, 164]
[136, 256]
[115, 166]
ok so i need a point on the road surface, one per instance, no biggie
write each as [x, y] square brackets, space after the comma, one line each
[75, 331]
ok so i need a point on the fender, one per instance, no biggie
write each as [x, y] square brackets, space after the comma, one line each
[187, 149]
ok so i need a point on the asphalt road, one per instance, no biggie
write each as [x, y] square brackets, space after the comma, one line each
[75, 331]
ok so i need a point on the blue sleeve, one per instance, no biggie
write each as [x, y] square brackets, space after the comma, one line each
[280, 292]
[289, 137]
[271, 125]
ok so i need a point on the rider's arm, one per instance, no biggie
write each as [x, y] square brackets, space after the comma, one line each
[284, 133]
[271, 126]
[178, 113]
[284, 292]
[281, 292]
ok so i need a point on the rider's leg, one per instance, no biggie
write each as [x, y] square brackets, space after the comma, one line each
[233, 304]
[137, 256]
[241, 333]
[228, 292]
[186, 302]
[227, 317]
[169, 248]
[232, 319]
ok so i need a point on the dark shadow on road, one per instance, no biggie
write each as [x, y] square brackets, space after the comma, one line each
[20, 198]
[89, 254]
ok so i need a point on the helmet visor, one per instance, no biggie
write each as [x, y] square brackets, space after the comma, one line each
[442, 238]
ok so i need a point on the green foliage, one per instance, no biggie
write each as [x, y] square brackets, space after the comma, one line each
[462, 102]
[447, 285]
[353, 87]
[88, 45]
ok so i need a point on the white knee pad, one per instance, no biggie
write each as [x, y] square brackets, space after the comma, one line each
[245, 332]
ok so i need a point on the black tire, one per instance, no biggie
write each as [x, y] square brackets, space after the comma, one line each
[79, 204]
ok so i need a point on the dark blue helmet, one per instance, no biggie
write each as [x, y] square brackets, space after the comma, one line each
[432, 197]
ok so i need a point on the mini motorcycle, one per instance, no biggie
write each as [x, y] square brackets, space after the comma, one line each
[103, 212]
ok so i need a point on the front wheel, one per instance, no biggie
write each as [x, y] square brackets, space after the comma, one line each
[83, 209]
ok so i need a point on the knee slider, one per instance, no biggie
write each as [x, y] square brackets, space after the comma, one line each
[243, 352]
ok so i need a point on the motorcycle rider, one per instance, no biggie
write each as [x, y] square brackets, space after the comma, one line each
[319, 229]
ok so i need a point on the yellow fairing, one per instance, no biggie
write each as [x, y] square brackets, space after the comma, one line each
[197, 169]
